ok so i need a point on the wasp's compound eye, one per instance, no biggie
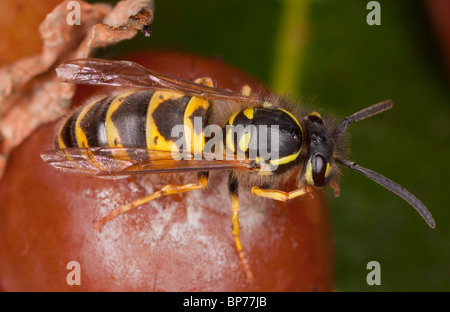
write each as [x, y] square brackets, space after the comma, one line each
[319, 168]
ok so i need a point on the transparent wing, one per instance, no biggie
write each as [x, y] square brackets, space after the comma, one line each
[129, 74]
[99, 161]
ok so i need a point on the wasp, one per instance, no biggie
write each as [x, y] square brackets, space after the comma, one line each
[132, 133]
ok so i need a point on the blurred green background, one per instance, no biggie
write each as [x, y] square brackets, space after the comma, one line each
[324, 51]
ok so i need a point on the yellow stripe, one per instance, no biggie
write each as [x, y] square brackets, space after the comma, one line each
[230, 144]
[60, 140]
[259, 160]
[328, 170]
[308, 174]
[231, 120]
[248, 113]
[151, 131]
[79, 133]
[292, 116]
[198, 142]
[244, 141]
[285, 160]
[61, 143]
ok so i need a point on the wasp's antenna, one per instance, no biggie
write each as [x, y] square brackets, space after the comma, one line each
[393, 187]
[362, 114]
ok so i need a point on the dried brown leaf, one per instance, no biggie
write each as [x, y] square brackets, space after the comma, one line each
[30, 93]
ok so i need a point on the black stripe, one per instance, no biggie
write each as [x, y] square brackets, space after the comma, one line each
[203, 114]
[67, 132]
[168, 114]
[93, 123]
[130, 119]
[241, 119]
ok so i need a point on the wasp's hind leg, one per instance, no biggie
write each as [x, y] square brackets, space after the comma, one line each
[284, 196]
[233, 188]
[202, 180]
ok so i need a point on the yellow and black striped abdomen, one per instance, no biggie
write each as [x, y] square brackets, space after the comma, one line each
[141, 119]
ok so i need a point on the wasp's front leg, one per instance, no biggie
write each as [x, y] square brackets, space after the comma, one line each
[306, 190]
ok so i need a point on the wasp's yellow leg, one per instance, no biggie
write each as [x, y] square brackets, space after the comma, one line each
[233, 188]
[166, 190]
[284, 196]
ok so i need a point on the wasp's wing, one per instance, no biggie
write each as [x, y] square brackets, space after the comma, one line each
[127, 161]
[129, 74]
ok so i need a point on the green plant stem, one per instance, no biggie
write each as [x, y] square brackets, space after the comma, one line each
[290, 46]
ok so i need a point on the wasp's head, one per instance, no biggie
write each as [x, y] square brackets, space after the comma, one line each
[317, 170]
[325, 152]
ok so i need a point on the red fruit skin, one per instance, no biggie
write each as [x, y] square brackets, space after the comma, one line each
[176, 243]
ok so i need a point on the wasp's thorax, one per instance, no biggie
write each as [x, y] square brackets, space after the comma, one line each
[272, 136]
[320, 142]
